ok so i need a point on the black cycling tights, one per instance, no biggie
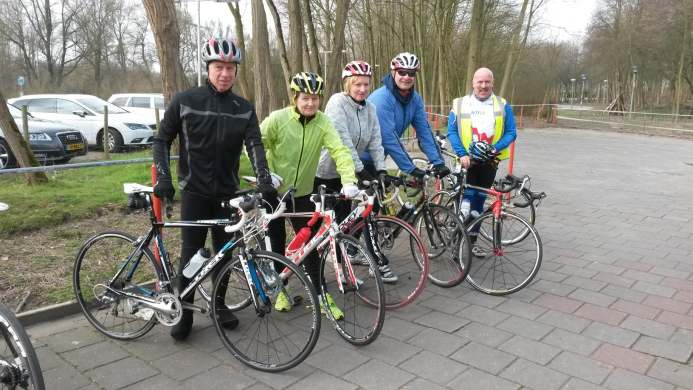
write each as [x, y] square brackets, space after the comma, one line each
[195, 207]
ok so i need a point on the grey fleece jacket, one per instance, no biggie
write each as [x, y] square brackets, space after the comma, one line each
[359, 129]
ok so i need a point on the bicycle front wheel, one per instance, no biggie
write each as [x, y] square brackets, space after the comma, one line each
[19, 366]
[527, 212]
[400, 248]
[449, 251]
[362, 300]
[500, 268]
[266, 339]
[106, 265]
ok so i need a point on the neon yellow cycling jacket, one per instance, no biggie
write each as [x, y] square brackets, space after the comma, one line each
[293, 149]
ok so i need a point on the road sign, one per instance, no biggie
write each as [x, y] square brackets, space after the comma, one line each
[21, 81]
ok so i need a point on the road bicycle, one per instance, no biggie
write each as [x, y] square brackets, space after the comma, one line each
[19, 366]
[357, 291]
[124, 290]
[507, 247]
[442, 231]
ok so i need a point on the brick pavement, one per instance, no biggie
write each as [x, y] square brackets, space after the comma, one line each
[612, 306]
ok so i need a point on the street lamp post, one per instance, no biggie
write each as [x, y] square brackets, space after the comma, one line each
[583, 77]
[606, 91]
[572, 95]
[324, 63]
[634, 68]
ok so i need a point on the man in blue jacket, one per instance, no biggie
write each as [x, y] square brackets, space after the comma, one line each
[398, 106]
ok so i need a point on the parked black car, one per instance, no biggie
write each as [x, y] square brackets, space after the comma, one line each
[51, 142]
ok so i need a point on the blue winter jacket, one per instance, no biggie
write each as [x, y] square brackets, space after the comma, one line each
[395, 114]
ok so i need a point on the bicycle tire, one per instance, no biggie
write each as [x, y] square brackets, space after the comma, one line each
[528, 212]
[369, 293]
[282, 329]
[502, 269]
[449, 249]
[408, 258]
[96, 264]
[27, 372]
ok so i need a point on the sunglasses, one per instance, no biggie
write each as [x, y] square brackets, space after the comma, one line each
[410, 73]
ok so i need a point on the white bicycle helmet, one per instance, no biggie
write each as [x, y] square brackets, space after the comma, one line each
[357, 68]
[405, 60]
[221, 49]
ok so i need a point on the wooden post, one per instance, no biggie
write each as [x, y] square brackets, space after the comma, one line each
[104, 135]
[25, 123]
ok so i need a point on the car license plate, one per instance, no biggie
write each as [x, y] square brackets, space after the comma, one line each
[75, 146]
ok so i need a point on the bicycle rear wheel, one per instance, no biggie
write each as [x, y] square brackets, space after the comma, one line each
[504, 268]
[19, 366]
[449, 251]
[406, 254]
[363, 298]
[266, 339]
[98, 261]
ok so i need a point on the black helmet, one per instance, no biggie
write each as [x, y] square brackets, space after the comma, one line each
[481, 151]
[307, 82]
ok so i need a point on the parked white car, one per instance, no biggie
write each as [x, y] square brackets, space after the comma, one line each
[140, 103]
[85, 113]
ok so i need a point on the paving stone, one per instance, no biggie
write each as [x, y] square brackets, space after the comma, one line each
[572, 342]
[674, 319]
[521, 309]
[564, 321]
[389, 350]
[483, 315]
[584, 283]
[555, 302]
[611, 334]
[156, 345]
[441, 321]
[672, 372]
[668, 304]
[95, 355]
[530, 329]
[433, 367]
[579, 384]
[644, 276]
[655, 289]
[636, 309]
[285, 379]
[227, 377]
[159, 382]
[601, 267]
[184, 364]
[678, 284]
[48, 359]
[336, 360]
[684, 296]
[529, 349]
[648, 327]
[480, 380]
[73, 339]
[534, 376]
[439, 342]
[681, 336]
[551, 276]
[671, 273]
[444, 304]
[580, 366]
[400, 329]
[666, 349]
[483, 357]
[592, 297]
[623, 357]
[121, 373]
[553, 287]
[378, 375]
[478, 298]
[614, 279]
[422, 384]
[627, 294]
[600, 314]
[64, 377]
[319, 380]
[412, 312]
[625, 380]
[483, 334]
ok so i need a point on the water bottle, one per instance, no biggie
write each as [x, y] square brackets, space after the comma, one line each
[196, 262]
[464, 209]
[406, 211]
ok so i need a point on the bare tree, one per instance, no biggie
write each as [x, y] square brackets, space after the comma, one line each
[261, 63]
[314, 53]
[162, 17]
[334, 62]
[514, 48]
[242, 78]
[20, 149]
[474, 41]
[295, 35]
[283, 57]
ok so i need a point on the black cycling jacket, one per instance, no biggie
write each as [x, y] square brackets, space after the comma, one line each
[211, 127]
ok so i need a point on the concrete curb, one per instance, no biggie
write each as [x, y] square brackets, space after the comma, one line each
[49, 313]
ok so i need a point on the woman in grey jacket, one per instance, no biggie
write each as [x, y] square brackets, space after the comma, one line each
[357, 123]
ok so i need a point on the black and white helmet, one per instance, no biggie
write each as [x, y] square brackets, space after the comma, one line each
[406, 61]
[221, 49]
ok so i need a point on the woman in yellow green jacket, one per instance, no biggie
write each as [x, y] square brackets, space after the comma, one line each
[293, 138]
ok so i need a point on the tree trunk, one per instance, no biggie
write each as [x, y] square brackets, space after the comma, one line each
[18, 145]
[333, 68]
[162, 17]
[295, 35]
[242, 78]
[474, 42]
[314, 56]
[283, 58]
[682, 61]
[261, 60]
[514, 48]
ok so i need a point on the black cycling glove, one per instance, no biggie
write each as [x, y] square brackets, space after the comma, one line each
[163, 189]
[441, 170]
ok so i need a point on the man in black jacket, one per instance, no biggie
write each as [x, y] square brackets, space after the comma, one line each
[212, 123]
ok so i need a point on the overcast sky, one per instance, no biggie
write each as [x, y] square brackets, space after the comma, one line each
[564, 19]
